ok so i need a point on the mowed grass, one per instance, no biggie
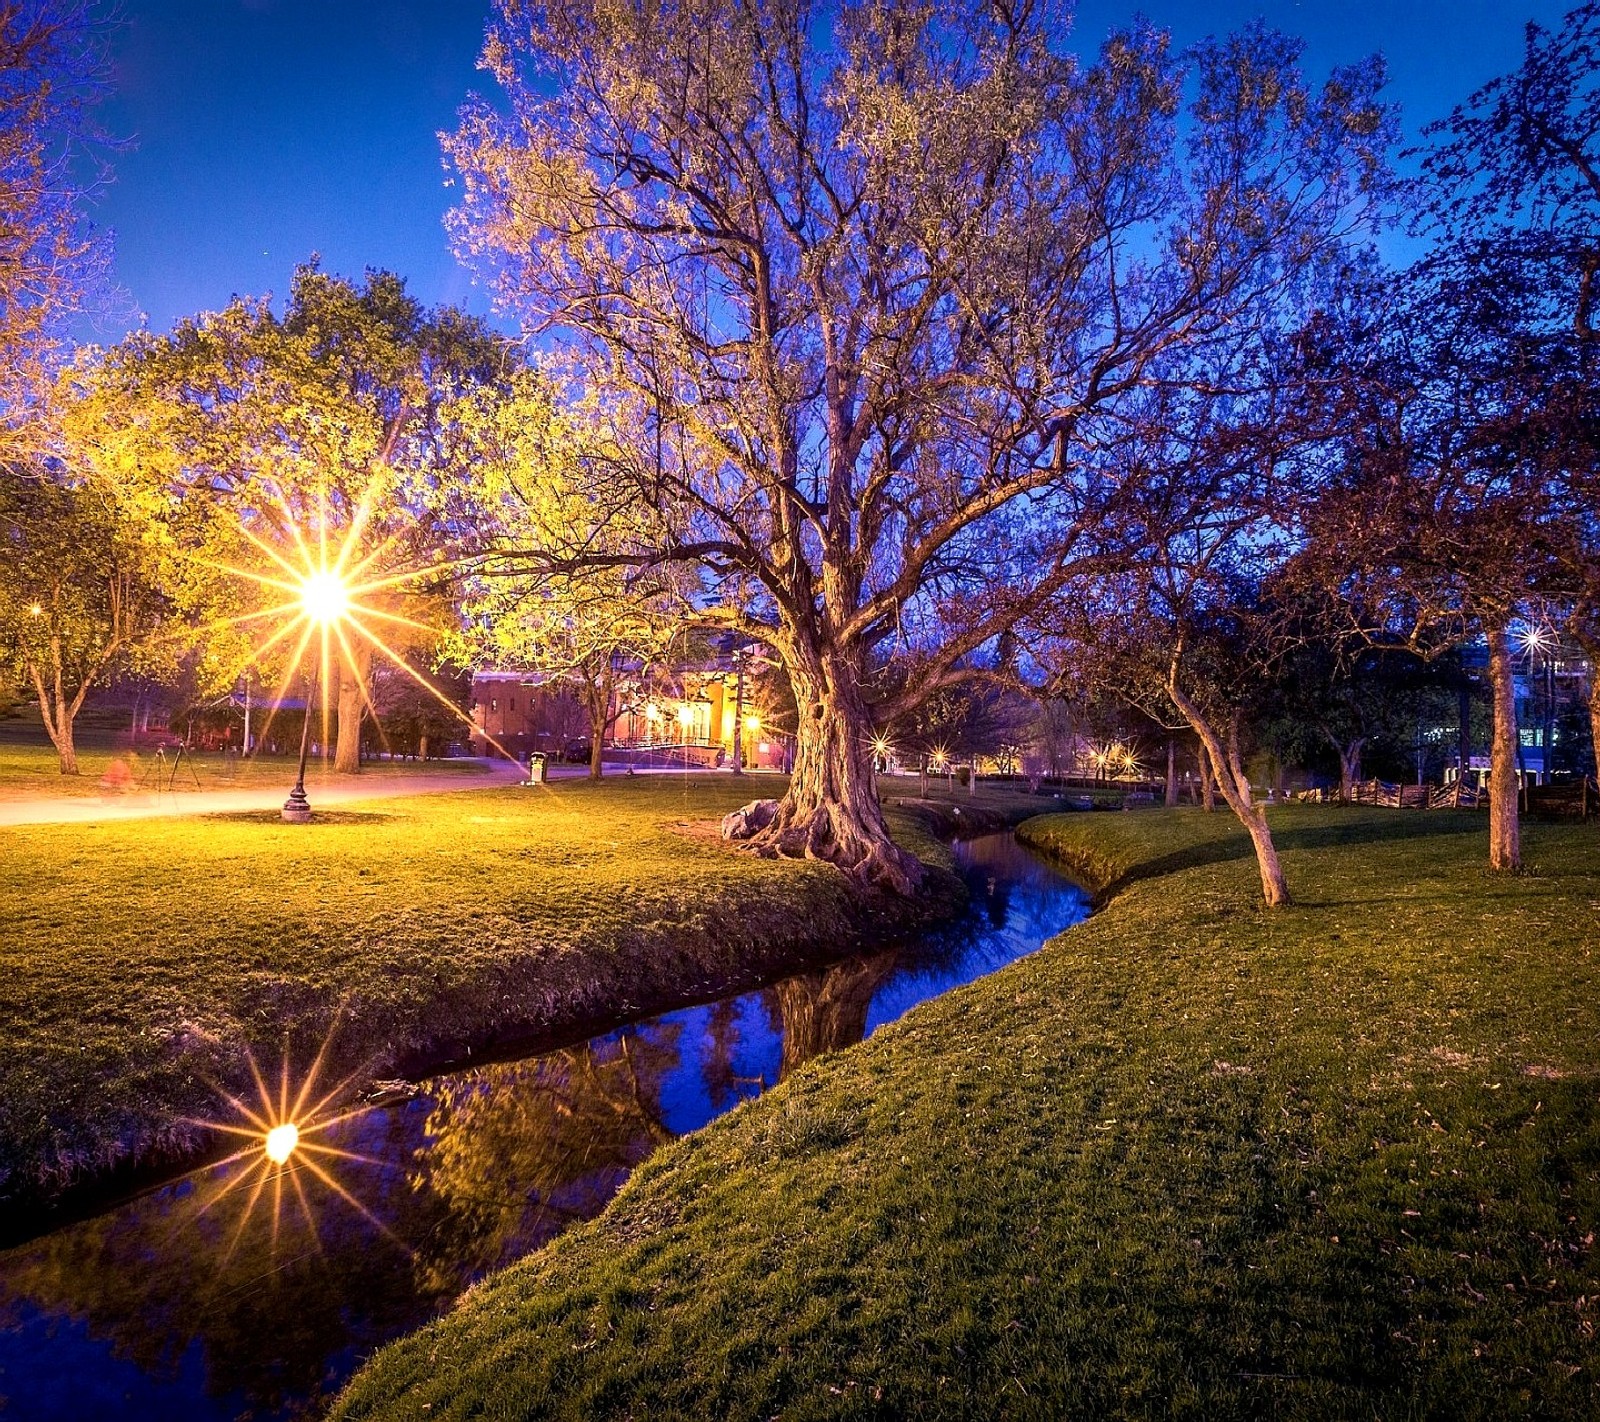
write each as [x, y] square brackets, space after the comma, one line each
[140, 960]
[1193, 1159]
[33, 772]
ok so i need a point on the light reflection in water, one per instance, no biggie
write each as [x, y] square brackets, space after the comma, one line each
[194, 1301]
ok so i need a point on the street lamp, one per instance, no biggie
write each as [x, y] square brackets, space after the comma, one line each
[1540, 643]
[324, 599]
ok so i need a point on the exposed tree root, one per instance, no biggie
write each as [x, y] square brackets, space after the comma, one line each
[864, 852]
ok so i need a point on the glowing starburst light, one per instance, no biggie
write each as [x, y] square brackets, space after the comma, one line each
[280, 1142]
[284, 1148]
[324, 597]
[332, 592]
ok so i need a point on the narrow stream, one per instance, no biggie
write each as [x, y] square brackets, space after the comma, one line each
[241, 1291]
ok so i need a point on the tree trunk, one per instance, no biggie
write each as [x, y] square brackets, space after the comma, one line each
[1208, 781]
[352, 701]
[1235, 785]
[1349, 769]
[1172, 772]
[422, 747]
[58, 715]
[599, 719]
[1505, 834]
[1594, 716]
[832, 811]
[66, 749]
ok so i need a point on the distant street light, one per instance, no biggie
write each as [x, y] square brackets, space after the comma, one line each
[1540, 643]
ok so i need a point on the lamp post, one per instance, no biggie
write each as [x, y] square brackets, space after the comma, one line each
[324, 600]
[738, 710]
[297, 808]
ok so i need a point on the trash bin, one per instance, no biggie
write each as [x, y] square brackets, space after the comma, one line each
[536, 775]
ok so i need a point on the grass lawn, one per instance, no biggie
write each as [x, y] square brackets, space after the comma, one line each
[140, 958]
[1193, 1159]
[32, 772]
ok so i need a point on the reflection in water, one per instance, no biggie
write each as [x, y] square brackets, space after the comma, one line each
[827, 1011]
[515, 1152]
[171, 1306]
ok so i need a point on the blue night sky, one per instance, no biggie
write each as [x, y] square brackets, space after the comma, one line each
[265, 130]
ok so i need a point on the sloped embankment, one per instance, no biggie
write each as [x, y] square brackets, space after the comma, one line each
[1193, 1158]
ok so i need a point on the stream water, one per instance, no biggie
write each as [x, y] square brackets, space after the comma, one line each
[244, 1290]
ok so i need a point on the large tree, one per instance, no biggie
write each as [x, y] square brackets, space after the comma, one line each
[867, 287]
[273, 448]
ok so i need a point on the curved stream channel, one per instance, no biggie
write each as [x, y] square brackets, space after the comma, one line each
[201, 1301]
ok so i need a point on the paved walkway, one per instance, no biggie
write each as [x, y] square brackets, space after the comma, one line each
[266, 792]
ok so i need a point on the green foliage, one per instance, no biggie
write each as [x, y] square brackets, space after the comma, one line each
[79, 599]
[264, 447]
[558, 586]
[1193, 1159]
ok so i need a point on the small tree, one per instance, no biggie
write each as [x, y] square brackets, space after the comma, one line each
[1513, 196]
[77, 595]
[541, 610]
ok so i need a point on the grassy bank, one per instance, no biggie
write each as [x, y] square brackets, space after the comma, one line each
[1192, 1159]
[140, 959]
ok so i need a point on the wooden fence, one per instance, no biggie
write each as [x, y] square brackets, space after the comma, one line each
[1569, 800]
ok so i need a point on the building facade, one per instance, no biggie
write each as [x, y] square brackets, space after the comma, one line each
[657, 718]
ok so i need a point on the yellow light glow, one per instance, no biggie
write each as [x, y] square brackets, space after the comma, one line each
[752, 723]
[324, 597]
[880, 745]
[685, 715]
[652, 712]
[281, 1141]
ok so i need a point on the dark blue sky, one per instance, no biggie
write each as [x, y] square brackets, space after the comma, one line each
[265, 130]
